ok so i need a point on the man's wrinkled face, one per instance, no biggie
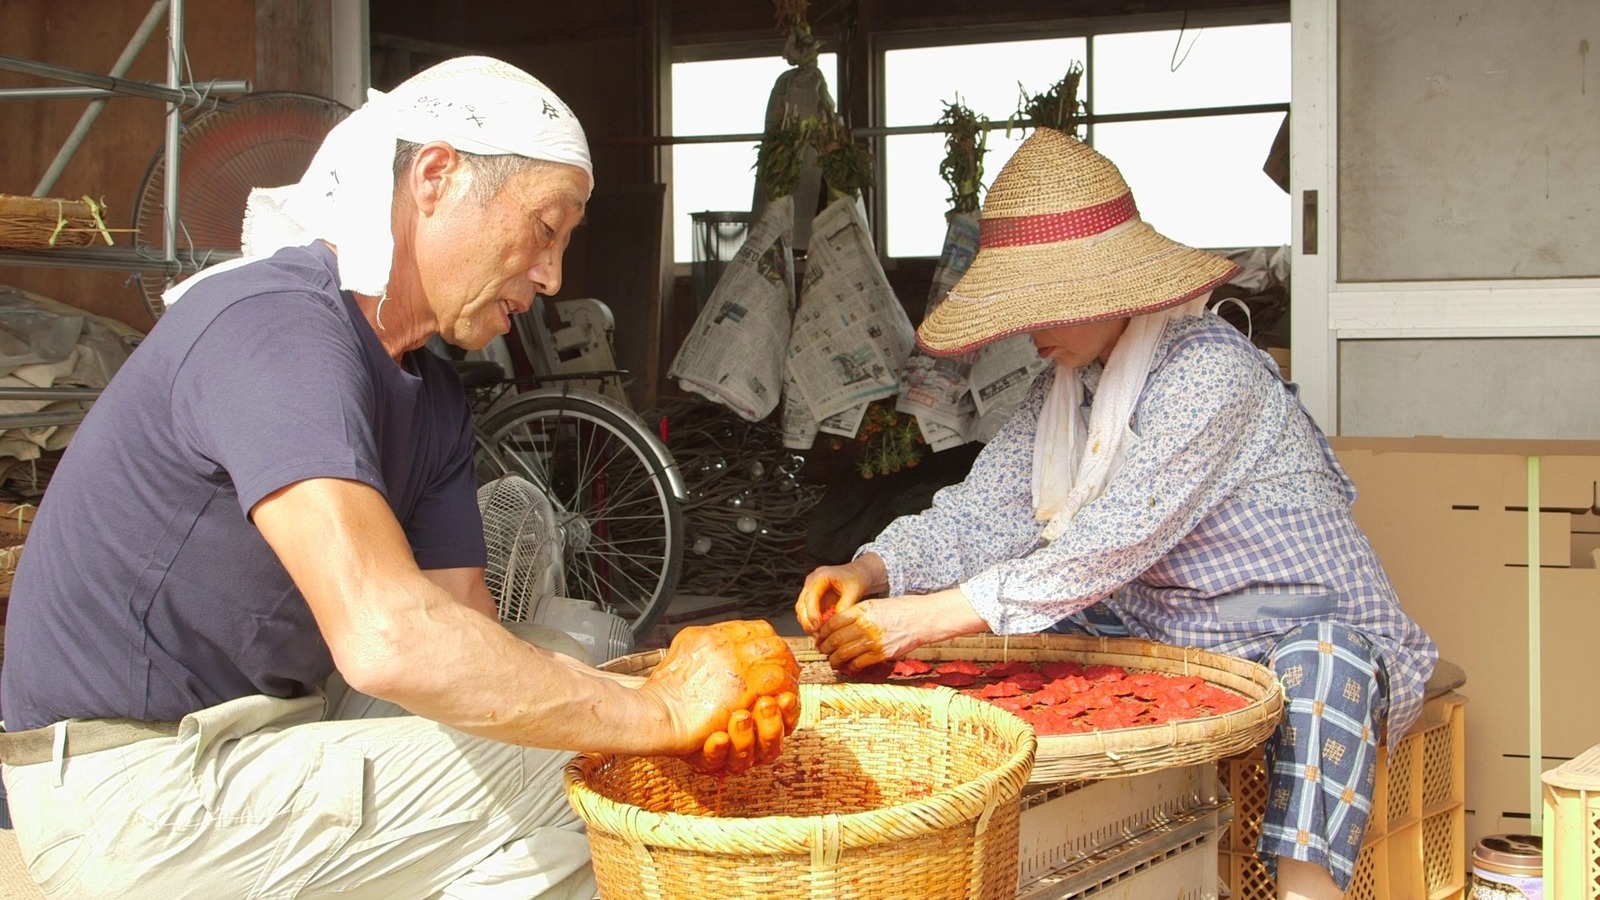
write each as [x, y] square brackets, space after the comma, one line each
[487, 260]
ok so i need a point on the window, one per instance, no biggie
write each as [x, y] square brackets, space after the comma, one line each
[1198, 179]
[720, 97]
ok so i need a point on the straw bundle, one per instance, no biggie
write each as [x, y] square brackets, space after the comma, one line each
[42, 223]
[1115, 753]
[883, 791]
[15, 519]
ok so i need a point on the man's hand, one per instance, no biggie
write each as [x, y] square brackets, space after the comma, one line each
[872, 631]
[731, 691]
[837, 588]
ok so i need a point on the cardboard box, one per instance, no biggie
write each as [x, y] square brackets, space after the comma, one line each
[1449, 519]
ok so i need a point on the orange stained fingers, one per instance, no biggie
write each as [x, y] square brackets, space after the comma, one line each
[713, 756]
[769, 729]
[789, 704]
[742, 741]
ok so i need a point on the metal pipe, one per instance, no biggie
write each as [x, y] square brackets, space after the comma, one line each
[90, 79]
[50, 393]
[892, 130]
[41, 419]
[169, 184]
[86, 121]
[191, 90]
[210, 90]
[116, 259]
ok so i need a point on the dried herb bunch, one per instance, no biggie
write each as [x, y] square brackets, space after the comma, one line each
[1058, 107]
[846, 164]
[966, 140]
[890, 440]
[800, 48]
[792, 15]
[780, 157]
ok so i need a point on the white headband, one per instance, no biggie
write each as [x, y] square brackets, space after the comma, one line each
[473, 103]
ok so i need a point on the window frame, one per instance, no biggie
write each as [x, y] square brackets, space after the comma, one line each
[1087, 28]
[881, 42]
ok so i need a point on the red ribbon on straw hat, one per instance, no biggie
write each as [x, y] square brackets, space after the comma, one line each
[1050, 228]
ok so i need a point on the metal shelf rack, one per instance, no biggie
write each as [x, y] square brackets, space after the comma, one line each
[177, 94]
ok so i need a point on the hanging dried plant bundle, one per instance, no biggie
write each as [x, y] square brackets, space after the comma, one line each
[799, 47]
[780, 157]
[890, 440]
[966, 140]
[1058, 107]
[792, 14]
[846, 164]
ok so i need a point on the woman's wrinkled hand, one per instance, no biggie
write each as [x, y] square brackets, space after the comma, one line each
[872, 631]
[731, 690]
[886, 628]
[834, 589]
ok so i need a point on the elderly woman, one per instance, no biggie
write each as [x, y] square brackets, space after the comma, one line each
[1161, 480]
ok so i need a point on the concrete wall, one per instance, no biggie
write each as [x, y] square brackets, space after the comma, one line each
[1467, 136]
[1537, 388]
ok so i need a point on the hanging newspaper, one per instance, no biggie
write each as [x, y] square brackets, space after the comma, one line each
[799, 425]
[734, 353]
[851, 334]
[934, 389]
[1000, 378]
[1001, 372]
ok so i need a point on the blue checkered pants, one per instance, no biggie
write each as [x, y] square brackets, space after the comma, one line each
[1322, 761]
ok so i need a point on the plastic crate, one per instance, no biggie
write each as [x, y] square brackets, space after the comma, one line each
[1415, 846]
[1572, 828]
[1172, 860]
[1063, 824]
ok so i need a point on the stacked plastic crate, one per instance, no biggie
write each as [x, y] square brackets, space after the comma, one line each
[1416, 835]
[1572, 828]
[1152, 835]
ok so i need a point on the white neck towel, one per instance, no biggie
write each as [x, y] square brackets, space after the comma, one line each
[1074, 461]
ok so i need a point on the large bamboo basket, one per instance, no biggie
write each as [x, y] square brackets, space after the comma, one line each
[41, 223]
[883, 791]
[1096, 755]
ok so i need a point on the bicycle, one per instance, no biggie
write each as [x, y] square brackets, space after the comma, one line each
[617, 493]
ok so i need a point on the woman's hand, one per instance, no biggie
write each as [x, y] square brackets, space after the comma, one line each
[731, 691]
[838, 588]
[872, 631]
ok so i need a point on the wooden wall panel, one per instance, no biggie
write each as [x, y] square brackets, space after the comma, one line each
[90, 35]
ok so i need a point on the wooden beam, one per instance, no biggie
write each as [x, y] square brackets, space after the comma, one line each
[294, 46]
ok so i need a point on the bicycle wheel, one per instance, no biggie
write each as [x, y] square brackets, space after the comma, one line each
[614, 500]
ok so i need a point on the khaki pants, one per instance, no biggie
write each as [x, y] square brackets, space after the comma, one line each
[262, 798]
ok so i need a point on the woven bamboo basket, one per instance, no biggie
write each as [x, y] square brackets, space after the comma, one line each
[883, 791]
[41, 223]
[1095, 755]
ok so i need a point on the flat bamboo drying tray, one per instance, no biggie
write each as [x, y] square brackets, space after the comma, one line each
[1114, 753]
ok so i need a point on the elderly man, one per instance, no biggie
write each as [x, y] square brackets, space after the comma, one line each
[278, 485]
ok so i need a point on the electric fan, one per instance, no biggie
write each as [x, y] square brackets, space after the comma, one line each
[525, 573]
[260, 140]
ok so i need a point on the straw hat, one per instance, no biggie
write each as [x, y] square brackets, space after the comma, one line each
[1061, 243]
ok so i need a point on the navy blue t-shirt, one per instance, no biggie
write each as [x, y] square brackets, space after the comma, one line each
[144, 590]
